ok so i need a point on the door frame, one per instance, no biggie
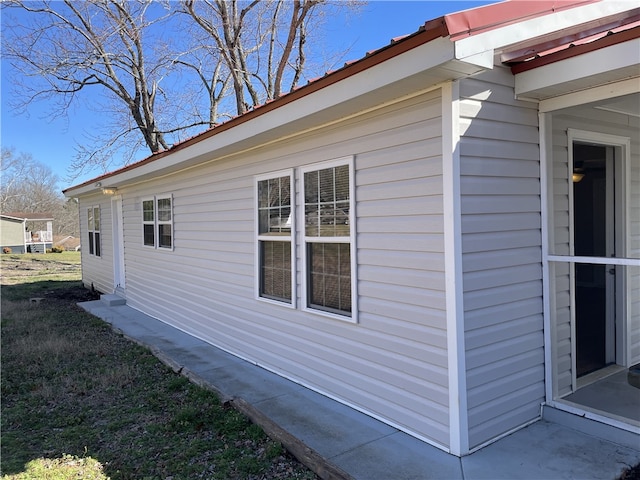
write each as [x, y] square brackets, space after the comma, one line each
[617, 179]
[622, 145]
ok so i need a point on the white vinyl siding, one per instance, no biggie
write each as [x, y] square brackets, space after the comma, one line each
[604, 122]
[393, 362]
[501, 248]
[97, 271]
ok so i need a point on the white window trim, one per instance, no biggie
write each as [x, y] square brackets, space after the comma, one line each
[93, 230]
[156, 223]
[259, 238]
[351, 238]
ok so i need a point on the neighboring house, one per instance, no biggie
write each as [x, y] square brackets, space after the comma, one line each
[18, 232]
[444, 234]
[67, 242]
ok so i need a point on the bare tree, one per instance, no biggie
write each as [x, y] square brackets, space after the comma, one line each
[28, 186]
[261, 42]
[163, 70]
[67, 47]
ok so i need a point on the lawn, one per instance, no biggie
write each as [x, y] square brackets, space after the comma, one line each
[81, 401]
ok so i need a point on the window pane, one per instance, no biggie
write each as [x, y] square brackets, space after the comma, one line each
[263, 221]
[342, 182]
[148, 234]
[285, 191]
[312, 220]
[90, 218]
[91, 250]
[330, 277]
[164, 209]
[97, 240]
[96, 218]
[263, 193]
[311, 187]
[326, 185]
[147, 211]
[164, 236]
[275, 270]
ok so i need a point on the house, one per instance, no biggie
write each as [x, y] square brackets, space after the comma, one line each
[67, 242]
[16, 232]
[444, 234]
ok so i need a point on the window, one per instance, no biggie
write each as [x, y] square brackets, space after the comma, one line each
[157, 222]
[93, 227]
[275, 225]
[328, 237]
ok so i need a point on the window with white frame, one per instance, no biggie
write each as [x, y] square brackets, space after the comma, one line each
[275, 226]
[157, 222]
[328, 237]
[93, 227]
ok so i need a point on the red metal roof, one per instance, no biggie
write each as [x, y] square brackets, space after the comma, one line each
[481, 19]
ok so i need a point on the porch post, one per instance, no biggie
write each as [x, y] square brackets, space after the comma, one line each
[545, 154]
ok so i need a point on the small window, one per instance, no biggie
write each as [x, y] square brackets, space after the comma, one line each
[329, 238]
[275, 227]
[157, 222]
[93, 227]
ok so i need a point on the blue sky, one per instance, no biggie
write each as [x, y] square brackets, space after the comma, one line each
[52, 141]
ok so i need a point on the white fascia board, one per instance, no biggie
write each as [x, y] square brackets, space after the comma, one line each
[603, 61]
[418, 60]
[562, 21]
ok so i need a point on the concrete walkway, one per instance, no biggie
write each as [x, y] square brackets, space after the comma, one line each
[339, 442]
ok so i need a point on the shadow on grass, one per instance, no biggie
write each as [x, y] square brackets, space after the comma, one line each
[71, 386]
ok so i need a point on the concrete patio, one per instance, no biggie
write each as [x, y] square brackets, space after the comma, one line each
[344, 443]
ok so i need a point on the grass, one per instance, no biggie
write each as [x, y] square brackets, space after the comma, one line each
[80, 401]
